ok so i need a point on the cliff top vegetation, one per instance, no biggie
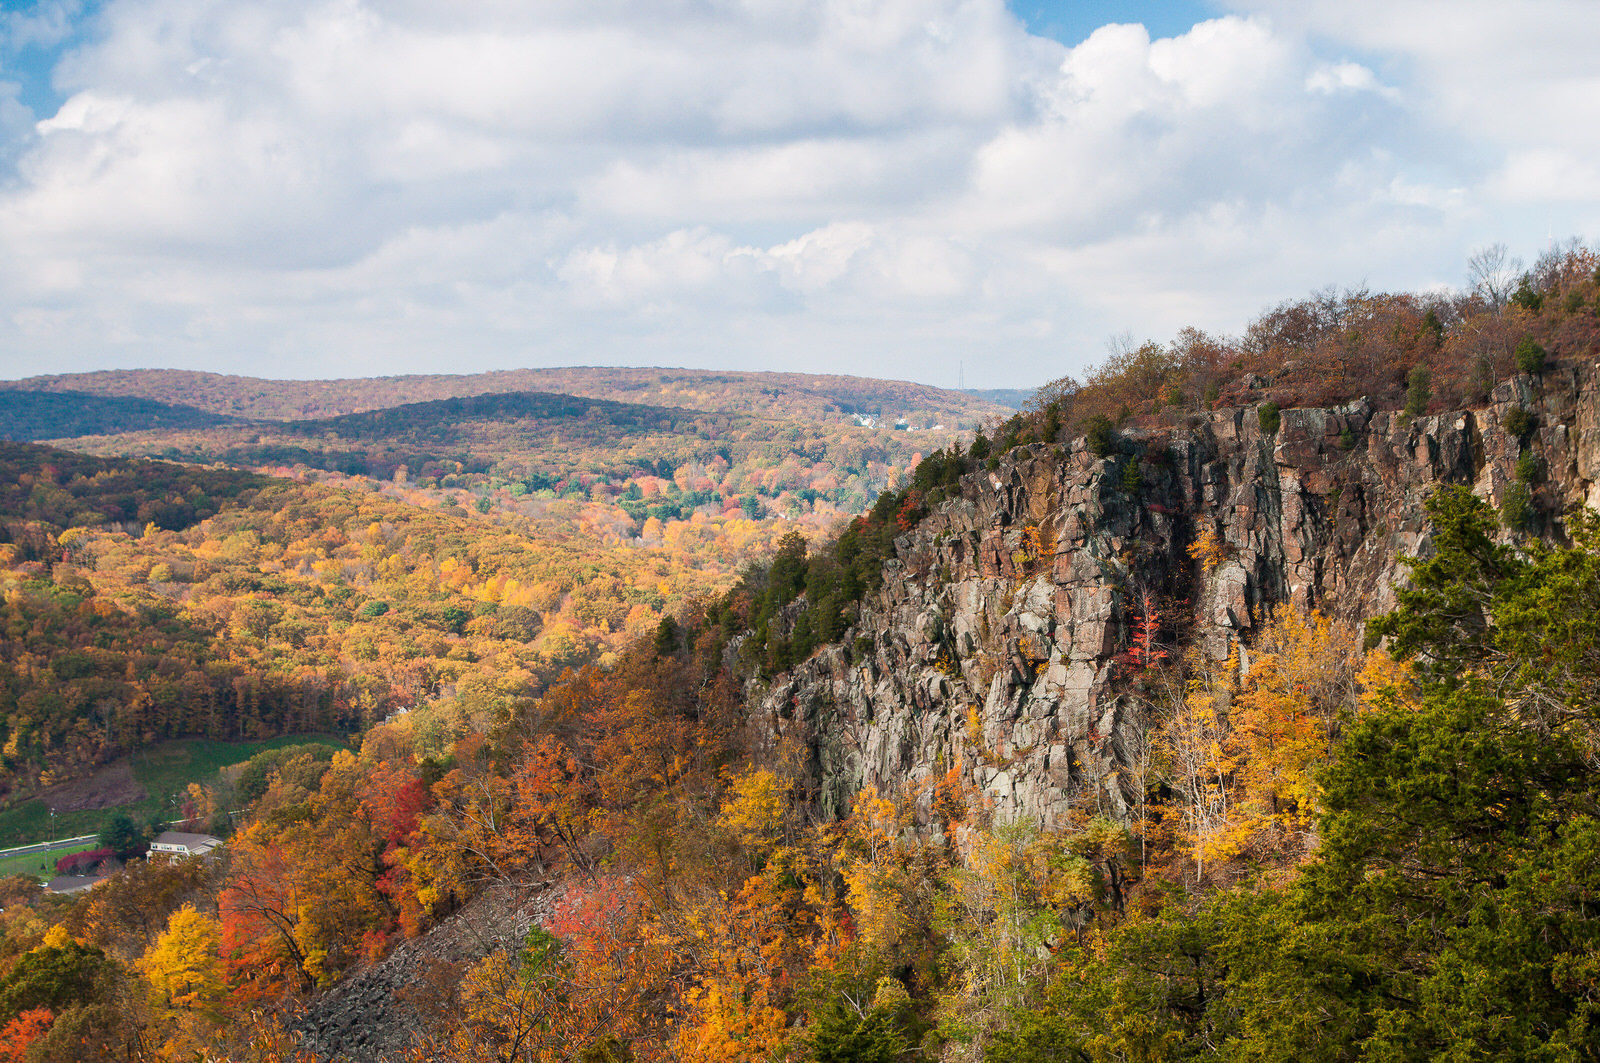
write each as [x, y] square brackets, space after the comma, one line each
[1422, 353]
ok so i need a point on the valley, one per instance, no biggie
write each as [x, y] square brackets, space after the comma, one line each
[862, 531]
[676, 733]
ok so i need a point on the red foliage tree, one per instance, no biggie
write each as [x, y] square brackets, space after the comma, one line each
[1146, 631]
[21, 1032]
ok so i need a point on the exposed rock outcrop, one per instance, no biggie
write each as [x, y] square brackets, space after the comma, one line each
[372, 1015]
[992, 644]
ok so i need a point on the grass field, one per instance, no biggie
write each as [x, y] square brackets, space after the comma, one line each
[40, 865]
[163, 770]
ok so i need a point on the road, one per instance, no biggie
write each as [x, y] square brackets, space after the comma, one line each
[47, 847]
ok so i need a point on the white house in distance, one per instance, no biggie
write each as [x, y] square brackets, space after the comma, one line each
[175, 844]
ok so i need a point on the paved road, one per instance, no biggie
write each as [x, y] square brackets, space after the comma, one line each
[47, 847]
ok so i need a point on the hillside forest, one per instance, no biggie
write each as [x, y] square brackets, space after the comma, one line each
[1371, 843]
[805, 397]
[653, 477]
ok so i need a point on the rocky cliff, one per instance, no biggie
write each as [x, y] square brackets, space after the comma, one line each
[992, 646]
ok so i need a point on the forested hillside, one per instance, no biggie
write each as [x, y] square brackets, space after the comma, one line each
[146, 600]
[516, 451]
[33, 415]
[1224, 814]
[805, 397]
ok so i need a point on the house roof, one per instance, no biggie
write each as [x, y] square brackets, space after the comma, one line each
[188, 841]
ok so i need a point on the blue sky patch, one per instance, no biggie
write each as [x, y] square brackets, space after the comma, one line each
[33, 37]
[1070, 21]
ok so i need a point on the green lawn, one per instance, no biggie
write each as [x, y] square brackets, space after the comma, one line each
[171, 766]
[163, 770]
[40, 865]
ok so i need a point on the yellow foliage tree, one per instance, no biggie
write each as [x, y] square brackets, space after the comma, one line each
[1207, 548]
[515, 1010]
[874, 871]
[183, 966]
[754, 812]
[1193, 748]
[725, 1026]
[1018, 892]
[1386, 683]
[1283, 718]
[1242, 752]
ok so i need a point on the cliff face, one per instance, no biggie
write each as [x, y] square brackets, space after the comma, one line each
[992, 645]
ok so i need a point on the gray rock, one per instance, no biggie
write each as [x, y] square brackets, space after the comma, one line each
[1010, 605]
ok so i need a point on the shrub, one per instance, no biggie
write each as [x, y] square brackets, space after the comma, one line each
[1418, 391]
[1527, 467]
[1530, 356]
[1518, 422]
[1097, 430]
[1347, 439]
[1516, 509]
[1527, 298]
[82, 863]
[608, 1048]
[1267, 413]
[1132, 477]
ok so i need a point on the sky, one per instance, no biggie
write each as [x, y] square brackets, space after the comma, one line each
[930, 190]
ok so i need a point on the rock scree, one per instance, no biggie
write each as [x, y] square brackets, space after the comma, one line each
[370, 1016]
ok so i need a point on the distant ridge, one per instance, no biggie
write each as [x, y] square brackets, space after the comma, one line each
[446, 419]
[797, 395]
[26, 415]
[1011, 398]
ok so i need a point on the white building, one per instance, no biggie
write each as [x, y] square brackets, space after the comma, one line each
[176, 844]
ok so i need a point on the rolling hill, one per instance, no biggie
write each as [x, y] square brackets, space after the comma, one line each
[797, 396]
[26, 416]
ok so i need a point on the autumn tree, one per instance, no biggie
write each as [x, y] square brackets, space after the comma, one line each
[128, 911]
[1284, 719]
[1191, 744]
[21, 1032]
[183, 967]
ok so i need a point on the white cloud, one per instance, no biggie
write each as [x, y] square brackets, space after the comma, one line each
[1546, 174]
[1333, 78]
[329, 186]
[44, 25]
[1506, 79]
